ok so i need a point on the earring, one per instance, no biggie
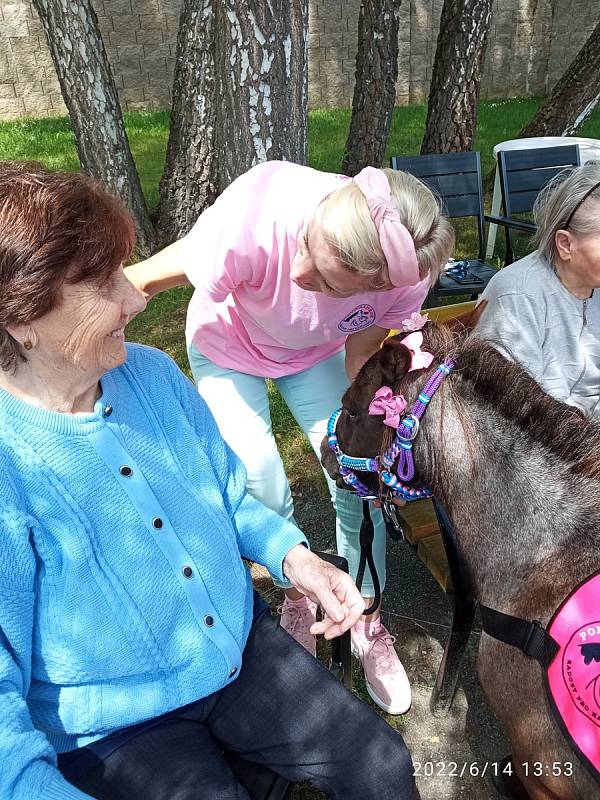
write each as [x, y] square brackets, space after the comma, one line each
[27, 344]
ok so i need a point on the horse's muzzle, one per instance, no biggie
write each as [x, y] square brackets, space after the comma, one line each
[330, 465]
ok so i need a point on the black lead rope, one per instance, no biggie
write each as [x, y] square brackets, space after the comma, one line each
[367, 534]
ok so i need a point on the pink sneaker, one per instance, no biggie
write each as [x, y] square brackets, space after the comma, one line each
[386, 680]
[297, 617]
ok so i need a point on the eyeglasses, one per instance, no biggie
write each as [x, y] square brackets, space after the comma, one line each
[579, 204]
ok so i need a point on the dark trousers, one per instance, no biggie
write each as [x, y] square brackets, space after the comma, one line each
[284, 711]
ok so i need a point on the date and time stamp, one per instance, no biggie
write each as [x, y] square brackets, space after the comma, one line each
[482, 769]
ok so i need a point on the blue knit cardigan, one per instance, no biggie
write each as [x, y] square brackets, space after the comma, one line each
[122, 590]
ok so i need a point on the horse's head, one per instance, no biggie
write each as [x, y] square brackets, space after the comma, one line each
[385, 390]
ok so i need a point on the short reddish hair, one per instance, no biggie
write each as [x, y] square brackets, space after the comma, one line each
[55, 227]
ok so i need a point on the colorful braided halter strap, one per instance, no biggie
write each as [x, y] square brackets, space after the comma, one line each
[401, 448]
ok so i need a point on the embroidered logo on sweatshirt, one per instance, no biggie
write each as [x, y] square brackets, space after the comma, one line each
[358, 319]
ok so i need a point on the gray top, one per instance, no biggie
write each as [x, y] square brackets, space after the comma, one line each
[532, 318]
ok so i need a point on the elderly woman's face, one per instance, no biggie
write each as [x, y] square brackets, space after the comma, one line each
[86, 329]
[585, 259]
[578, 254]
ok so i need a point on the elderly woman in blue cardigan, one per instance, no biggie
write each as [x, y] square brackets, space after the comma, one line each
[132, 654]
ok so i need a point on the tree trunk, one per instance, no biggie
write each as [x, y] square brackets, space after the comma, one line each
[189, 182]
[375, 87]
[261, 83]
[574, 97]
[90, 95]
[452, 108]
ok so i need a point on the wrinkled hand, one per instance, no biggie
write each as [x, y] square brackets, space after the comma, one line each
[326, 585]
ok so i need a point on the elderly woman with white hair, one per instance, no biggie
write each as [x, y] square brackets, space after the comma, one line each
[299, 277]
[544, 310]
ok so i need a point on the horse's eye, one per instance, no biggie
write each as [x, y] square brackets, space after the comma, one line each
[351, 414]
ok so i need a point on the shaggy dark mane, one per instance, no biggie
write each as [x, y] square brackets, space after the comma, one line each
[505, 385]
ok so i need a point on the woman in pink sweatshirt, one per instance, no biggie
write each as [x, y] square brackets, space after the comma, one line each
[299, 277]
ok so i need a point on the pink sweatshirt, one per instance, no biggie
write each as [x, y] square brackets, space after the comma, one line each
[246, 314]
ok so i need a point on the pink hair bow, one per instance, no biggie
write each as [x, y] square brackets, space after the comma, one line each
[421, 359]
[395, 240]
[390, 404]
[415, 322]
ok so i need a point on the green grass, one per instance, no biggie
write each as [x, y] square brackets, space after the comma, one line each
[148, 132]
[51, 142]
[497, 121]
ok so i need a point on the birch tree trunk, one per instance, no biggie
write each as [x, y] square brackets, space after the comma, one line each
[452, 107]
[261, 83]
[90, 95]
[574, 97]
[375, 87]
[189, 183]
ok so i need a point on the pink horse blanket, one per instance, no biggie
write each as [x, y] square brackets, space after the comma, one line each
[574, 674]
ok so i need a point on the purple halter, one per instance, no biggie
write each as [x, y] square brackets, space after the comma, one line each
[401, 448]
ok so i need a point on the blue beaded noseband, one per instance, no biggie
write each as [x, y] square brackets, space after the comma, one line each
[401, 449]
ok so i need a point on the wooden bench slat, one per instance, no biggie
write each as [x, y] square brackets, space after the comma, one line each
[445, 313]
[419, 520]
[431, 552]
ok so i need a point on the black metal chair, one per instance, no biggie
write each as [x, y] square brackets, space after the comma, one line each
[260, 782]
[456, 179]
[523, 174]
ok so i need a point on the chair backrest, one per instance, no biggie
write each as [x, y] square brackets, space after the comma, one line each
[524, 173]
[455, 178]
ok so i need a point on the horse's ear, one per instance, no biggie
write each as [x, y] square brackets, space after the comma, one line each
[466, 322]
[395, 358]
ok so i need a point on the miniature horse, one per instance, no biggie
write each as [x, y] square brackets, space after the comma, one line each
[519, 476]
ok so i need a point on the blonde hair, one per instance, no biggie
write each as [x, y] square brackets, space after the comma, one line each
[347, 227]
[563, 201]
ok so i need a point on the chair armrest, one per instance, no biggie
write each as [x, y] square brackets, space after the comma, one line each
[510, 222]
[340, 663]
[338, 561]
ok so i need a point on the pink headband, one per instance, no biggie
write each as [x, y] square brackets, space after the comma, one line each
[396, 242]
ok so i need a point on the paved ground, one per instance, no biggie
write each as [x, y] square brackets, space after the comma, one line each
[417, 612]
[469, 736]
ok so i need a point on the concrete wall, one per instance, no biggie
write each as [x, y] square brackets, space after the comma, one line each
[139, 37]
[530, 44]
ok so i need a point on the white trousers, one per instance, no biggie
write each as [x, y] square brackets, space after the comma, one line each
[240, 405]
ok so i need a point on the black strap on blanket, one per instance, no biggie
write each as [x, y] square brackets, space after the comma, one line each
[529, 637]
